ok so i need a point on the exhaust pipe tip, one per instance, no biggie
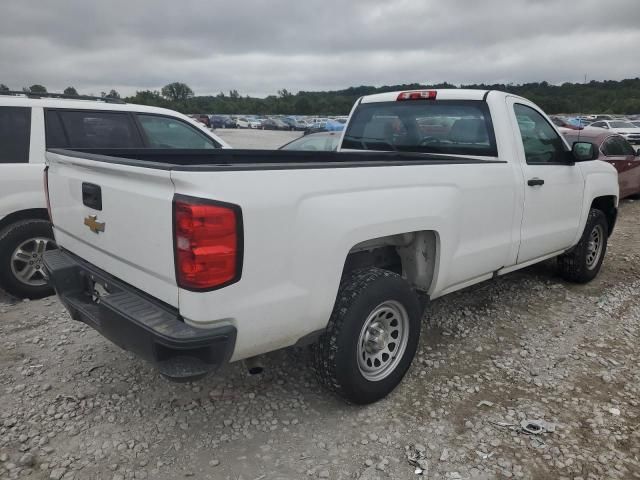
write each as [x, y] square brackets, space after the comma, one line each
[254, 365]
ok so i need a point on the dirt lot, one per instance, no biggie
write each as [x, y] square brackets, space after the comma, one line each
[523, 347]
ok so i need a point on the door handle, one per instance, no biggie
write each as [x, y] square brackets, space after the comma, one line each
[535, 182]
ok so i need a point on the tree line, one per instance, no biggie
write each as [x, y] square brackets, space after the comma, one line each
[609, 96]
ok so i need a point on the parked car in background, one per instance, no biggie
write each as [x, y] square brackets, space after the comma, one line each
[274, 124]
[247, 122]
[635, 122]
[325, 126]
[254, 122]
[295, 123]
[202, 118]
[617, 151]
[622, 127]
[30, 124]
[322, 141]
[221, 121]
[334, 126]
[565, 123]
[242, 122]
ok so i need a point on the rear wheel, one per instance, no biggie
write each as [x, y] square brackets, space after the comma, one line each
[22, 246]
[371, 338]
[583, 262]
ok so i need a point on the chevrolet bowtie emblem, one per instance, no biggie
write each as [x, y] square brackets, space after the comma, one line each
[94, 225]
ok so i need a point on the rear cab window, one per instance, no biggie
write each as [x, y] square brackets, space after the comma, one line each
[454, 127]
[15, 134]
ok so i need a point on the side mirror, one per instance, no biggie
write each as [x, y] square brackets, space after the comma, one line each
[584, 151]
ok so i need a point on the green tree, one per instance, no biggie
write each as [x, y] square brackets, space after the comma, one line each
[177, 92]
[70, 91]
[4, 88]
[112, 94]
[37, 89]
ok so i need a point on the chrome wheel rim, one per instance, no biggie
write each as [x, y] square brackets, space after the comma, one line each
[594, 246]
[383, 340]
[26, 261]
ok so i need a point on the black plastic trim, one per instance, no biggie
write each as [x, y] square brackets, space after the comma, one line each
[239, 235]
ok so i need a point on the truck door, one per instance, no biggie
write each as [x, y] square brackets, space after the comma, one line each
[553, 186]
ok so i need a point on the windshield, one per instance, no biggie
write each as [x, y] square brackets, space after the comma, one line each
[447, 126]
[622, 125]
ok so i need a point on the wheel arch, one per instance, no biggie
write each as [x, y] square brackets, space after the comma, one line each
[607, 204]
[27, 214]
[414, 255]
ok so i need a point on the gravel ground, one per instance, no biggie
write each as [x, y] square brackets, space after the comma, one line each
[525, 347]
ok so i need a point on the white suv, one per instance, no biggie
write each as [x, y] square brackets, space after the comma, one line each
[29, 124]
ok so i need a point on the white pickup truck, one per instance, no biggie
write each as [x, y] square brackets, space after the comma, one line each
[29, 124]
[195, 260]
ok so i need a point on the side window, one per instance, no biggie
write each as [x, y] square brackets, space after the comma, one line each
[167, 132]
[95, 129]
[15, 134]
[617, 146]
[540, 141]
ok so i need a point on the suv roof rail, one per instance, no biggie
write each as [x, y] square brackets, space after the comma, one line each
[62, 96]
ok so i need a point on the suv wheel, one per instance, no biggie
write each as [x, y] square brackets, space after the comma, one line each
[371, 338]
[22, 246]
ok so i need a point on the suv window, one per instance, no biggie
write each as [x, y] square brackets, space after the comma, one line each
[616, 146]
[15, 134]
[540, 141]
[91, 129]
[422, 126]
[166, 132]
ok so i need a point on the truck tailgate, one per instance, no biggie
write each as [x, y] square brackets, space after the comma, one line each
[118, 218]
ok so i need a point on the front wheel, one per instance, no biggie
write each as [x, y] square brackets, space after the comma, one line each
[22, 246]
[371, 338]
[583, 262]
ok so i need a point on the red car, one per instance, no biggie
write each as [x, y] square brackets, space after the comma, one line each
[616, 150]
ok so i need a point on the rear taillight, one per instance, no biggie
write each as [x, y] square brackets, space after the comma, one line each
[419, 95]
[46, 191]
[207, 242]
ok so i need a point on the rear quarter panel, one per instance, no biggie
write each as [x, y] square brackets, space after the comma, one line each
[300, 224]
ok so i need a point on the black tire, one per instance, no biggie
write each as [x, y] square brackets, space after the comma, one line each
[10, 239]
[579, 264]
[335, 355]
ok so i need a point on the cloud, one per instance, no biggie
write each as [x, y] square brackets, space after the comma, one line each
[261, 46]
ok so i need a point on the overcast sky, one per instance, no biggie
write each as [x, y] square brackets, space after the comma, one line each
[261, 46]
